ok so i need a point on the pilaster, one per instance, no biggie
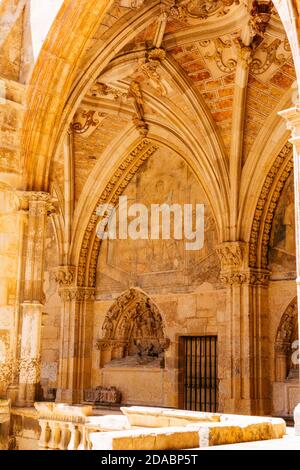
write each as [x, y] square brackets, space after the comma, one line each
[76, 337]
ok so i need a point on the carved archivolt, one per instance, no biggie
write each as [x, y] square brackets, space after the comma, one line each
[263, 217]
[133, 325]
[111, 193]
[285, 332]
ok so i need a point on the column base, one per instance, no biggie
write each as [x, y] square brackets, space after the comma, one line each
[26, 395]
[68, 396]
[13, 393]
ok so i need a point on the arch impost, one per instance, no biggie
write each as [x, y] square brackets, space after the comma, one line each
[250, 277]
[77, 294]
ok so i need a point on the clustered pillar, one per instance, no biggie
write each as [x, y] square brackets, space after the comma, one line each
[40, 207]
[247, 387]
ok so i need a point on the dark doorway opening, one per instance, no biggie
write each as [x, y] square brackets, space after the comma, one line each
[198, 373]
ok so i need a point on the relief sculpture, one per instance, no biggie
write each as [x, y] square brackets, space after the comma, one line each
[133, 332]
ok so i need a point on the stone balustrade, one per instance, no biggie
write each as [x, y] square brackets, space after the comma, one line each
[63, 427]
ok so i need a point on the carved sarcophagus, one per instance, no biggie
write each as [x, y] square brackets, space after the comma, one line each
[102, 395]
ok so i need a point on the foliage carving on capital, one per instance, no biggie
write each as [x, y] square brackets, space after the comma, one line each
[77, 294]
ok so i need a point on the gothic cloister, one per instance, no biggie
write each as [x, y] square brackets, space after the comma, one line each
[162, 101]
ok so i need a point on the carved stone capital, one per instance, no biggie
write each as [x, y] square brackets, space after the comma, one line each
[233, 278]
[233, 255]
[258, 277]
[77, 294]
[35, 203]
[65, 275]
[292, 118]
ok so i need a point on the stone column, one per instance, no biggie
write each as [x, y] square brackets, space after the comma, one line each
[247, 390]
[76, 338]
[292, 117]
[40, 206]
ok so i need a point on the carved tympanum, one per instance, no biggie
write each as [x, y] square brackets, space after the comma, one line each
[133, 331]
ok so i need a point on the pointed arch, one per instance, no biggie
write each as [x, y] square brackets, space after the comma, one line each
[133, 324]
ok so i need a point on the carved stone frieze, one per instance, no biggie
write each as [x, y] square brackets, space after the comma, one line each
[250, 277]
[77, 294]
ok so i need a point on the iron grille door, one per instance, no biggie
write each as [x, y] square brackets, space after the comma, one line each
[198, 373]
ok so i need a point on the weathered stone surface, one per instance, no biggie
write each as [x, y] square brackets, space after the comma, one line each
[160, 417]
[173, 438]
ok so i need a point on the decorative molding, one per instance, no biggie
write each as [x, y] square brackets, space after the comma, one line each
[63, 412]
[251, 278]
[220, 45]
[259, 66]
[77, 294]
[138, 119]
[85, 122]
[233, 278]
[102, 89]
[260, 12]
[150, 66]
[258, 58]
[114, 188]
[263, 217]
[286, 328]
[202, 9]
[36, 203]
